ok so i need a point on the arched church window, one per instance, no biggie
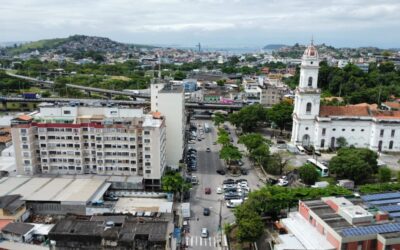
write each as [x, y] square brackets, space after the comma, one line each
[310, 81]
[308, 107]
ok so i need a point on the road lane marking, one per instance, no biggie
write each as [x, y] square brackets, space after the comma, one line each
[201, 241]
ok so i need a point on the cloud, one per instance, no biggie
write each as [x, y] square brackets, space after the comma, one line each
[185, 21]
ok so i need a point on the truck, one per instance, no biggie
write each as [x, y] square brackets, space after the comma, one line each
[30, 96]
[185, 209]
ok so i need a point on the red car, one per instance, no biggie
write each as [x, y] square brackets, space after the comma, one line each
[207, 190]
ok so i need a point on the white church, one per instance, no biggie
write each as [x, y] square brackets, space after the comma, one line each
[320, 126]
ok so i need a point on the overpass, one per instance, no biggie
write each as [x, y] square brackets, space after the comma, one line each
[108, 92]
[69, 100]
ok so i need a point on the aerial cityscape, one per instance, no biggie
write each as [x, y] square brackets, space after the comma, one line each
[200, 124]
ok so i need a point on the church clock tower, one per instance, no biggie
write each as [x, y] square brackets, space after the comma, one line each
[307, 99]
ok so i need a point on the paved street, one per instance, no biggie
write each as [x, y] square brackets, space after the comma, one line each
[208, 163]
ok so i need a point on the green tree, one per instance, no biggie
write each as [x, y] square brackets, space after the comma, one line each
[277, 163]
[46, 94]
[384, 174]
[357, 164]
[218, 119]
[250, 228]
[308, 174]
[281, 114]
[230, 153]
[249, 117]
[223, 137]
[174, 183]
[252, 141]
[179, 75]
[341, 142]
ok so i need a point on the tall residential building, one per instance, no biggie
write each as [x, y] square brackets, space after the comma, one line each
[169, 100]
[91, 140]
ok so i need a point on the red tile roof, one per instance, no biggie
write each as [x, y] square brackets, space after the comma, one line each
[25, 117]
[351, 110]
[393, 105]
[386, 114]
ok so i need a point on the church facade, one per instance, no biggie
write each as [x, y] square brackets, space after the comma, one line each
[320, 126]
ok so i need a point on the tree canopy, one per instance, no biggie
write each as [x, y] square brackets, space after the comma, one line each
[249, 117]
[308, 174]
[173, 182]
[281, 114]
[357, 164]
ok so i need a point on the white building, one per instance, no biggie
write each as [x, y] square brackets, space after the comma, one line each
[320, 127]
[169, 100]
[91, 140]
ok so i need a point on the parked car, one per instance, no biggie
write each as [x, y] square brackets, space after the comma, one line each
[317, 152]
[206, 211]
[208, 150]
[111, 197]
[229, 181]
[219, 190]
[243, 172]
[207, 190]
[221, 171]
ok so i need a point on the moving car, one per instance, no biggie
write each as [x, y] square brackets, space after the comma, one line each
[208, 150]
[204, 232]
[219, 190]
[234, 203]
[206, 211]
[221, 171]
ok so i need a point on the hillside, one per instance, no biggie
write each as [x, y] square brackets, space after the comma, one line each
[74, 44]
[274, 46]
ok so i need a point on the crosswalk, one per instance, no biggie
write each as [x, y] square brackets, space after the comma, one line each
[198, 241]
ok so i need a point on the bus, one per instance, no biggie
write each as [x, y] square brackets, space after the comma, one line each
[321, 168]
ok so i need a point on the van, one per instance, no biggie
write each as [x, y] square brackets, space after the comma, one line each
[301, 150]
[234, 203]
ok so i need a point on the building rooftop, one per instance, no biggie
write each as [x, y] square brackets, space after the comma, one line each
[11, 203]
[351, 110]
[305, 232]
[393, 105]
[169, 88]
[133, 205]
[17, 228]
[52, 188]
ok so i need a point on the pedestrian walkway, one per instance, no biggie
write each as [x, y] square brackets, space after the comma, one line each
[202, 243]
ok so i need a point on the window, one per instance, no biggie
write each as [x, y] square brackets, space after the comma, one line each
[391, 145]
[322, 143]
[147, 156]
[343, 129]
[306, 128]
[310, 81]
[26, 147]
[334, 129]
[148, 171]
[67, 112]
[392, 134]
[24, 138]
[352, 130]
[362, 130]
[146, 132]
[146, 140]
[382, 132]
[323, 131]
[27, 162]
[308, 107]
[147, 164]
[23, 130]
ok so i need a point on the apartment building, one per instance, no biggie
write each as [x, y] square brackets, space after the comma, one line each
[91, 140]
[169, 100]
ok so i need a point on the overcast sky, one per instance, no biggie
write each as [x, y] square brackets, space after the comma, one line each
[213, 23]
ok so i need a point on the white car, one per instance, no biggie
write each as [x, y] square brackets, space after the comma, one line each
[204, 232]
[282, 183]
[220, 190]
